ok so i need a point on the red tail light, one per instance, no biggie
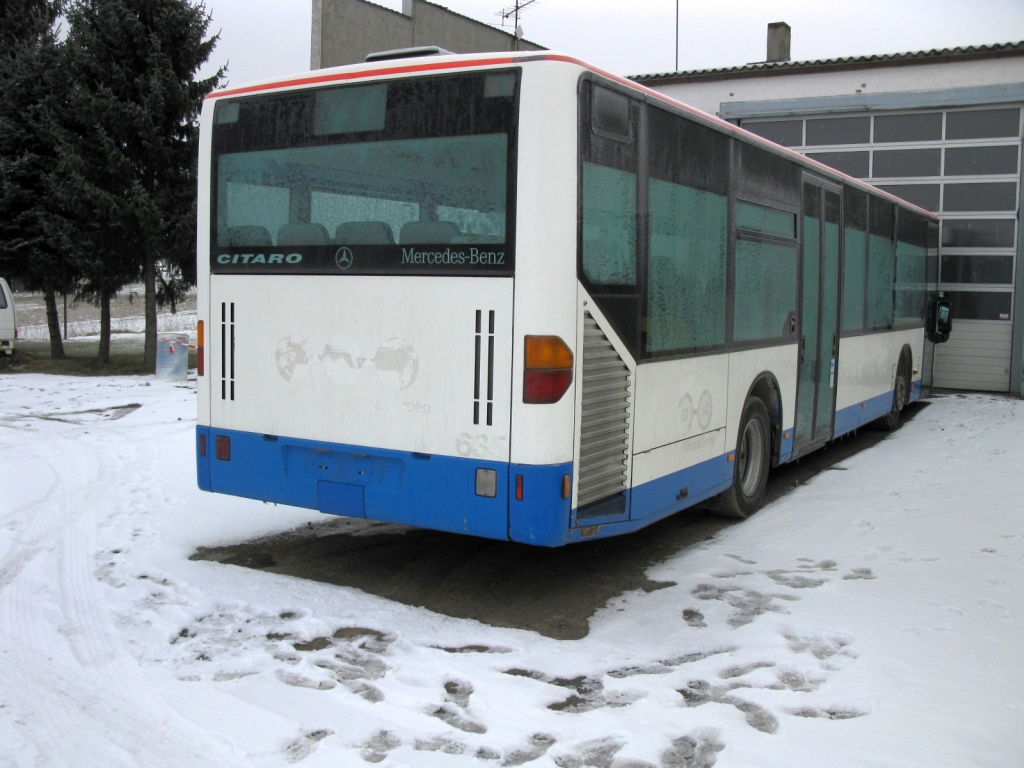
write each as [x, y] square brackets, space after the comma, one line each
[202, 445]
[548, 371]
[519, 487]
[223, 447]
[545, 386]
[200, 363]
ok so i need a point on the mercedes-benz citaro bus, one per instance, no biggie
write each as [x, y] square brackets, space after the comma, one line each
[514, 296]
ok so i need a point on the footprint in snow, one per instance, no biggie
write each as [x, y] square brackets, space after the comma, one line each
[795, 680]
[859, 573]
[793, 580]
[694, 618]
[588, 691]
[748, 604]
[472, 649]
[664, 666]
[745, 669]
[598, 753]
[305, 745]
[1001, 609]
[457, 693]
[699, 750]
[443, 743]
[824, 565]
[378, 746]
[830, 713]
[828, 650]
[537, 746]
[742, 560]
[301, 681]
[700, 692]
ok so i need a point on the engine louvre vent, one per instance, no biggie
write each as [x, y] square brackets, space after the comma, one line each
[604, 427]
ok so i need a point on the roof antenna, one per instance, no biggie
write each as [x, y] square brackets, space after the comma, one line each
[513, 13]
[677, 36]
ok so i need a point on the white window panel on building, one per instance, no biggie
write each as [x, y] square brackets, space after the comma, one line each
[965, 165]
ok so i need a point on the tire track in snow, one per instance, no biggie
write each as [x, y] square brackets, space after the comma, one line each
[98, 693]
[39, 528]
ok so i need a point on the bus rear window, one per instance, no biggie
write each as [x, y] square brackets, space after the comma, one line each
[409, 176]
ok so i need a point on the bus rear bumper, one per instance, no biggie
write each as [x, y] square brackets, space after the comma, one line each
[423, 490]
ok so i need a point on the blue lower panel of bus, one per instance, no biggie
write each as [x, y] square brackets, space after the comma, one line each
[424, 490]
[660, 498]
[431, 491]
[855, 416]
[786, 446]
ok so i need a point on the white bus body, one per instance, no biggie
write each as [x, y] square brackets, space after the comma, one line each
[355, 361]
[8, 319]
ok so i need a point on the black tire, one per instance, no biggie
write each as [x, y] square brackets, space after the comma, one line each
[900, 396]
[753, 458]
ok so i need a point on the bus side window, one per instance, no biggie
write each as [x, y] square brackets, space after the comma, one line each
[855, 245]
[609, 206]
[881, 265]
[609, 190]
[688, 170]
[765, 269]
[911, 267]
[609, 225]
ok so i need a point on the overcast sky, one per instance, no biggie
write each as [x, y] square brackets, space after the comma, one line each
[267, 38]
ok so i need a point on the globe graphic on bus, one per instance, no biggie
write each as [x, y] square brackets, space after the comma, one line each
[342, 360]
[293, 361]
[397, 364]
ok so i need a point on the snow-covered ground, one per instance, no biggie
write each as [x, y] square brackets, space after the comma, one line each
[870, 618]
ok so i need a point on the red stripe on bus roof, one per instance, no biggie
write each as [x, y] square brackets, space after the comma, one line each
[338, 76]
[493, 61]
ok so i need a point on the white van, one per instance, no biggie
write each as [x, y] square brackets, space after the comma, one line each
[8, 319]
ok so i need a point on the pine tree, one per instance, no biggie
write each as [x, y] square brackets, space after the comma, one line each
[32, 94]
[131, 141]
[24, 20]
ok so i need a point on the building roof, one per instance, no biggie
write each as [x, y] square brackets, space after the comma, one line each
[770, 68]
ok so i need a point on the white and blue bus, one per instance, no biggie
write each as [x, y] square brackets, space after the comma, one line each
[516, 297]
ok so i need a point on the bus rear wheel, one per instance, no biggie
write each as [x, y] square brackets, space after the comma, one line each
[752, 460]
[900, 396]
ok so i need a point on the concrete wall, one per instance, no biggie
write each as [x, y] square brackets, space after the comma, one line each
[345, 31]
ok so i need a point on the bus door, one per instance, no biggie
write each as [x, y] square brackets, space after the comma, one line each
[819, 315]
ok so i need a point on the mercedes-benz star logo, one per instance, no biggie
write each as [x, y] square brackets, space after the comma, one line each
[343, 258]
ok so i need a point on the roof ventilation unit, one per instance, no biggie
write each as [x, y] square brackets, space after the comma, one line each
[409, 53]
